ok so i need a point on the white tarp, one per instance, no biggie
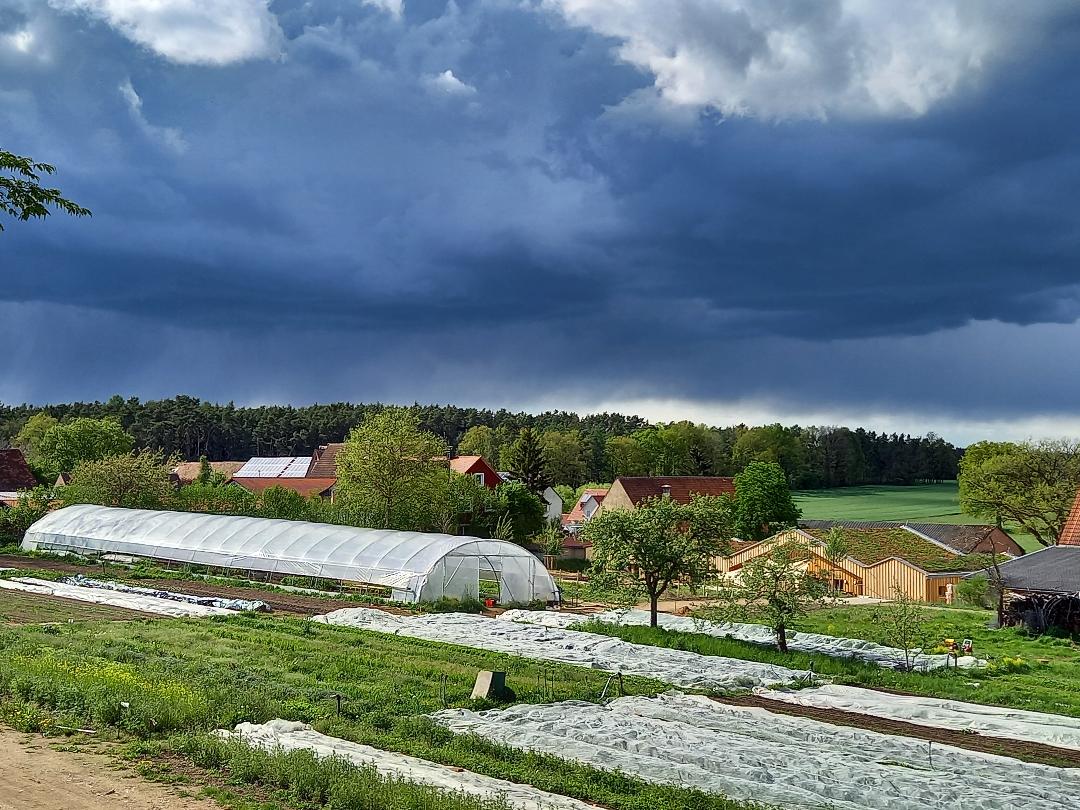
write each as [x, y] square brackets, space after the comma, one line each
[212, 601]
[748, 753]
[290, 736]
[592, 650]
[755, 633]
[131, 601]
[992, 721]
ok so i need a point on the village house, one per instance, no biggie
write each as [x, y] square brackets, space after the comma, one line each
[629, 491]
[588, 504]
[880, 560]
[287, 472]
[15, 475]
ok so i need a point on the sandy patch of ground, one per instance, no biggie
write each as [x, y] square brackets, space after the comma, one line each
[33, 776]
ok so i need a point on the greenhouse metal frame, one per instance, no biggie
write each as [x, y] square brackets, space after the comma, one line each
[416, 566]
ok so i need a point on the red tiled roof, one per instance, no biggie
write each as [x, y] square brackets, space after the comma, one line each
[1070, 534]
[464, 464]
[324, 461]
[15, 472]
[577, 514]
[305, 486]
[682, 486]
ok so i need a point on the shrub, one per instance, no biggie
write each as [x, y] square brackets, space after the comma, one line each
[975, 591]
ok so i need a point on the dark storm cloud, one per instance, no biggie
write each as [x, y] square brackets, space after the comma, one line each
[461, 199]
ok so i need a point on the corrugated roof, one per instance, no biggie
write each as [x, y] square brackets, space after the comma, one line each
[15, 473]
[638, 488]
[1055, 569]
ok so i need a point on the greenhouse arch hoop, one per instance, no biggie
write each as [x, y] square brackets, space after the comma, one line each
[416, 566]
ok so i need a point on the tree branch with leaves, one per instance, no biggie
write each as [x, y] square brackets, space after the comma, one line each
[22, 195]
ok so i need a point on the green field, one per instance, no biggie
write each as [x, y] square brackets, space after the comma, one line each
[926, 503]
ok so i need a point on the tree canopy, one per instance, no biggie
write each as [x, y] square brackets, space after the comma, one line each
[763, 502]
[22, 195]
[1032, 484]
[65, 445]
[659, 543]
[131, 480]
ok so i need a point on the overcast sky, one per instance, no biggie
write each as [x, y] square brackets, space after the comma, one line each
[727, 210]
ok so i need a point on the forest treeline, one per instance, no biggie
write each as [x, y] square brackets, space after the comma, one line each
[596, 447]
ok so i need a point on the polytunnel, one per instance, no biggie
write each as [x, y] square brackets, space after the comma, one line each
[416, 566]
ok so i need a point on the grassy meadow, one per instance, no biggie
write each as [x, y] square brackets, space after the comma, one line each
[168, 682]
[925, 503]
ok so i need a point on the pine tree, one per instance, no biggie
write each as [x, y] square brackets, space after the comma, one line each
[527, 461]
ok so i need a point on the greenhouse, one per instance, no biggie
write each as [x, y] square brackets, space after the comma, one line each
[414, 566]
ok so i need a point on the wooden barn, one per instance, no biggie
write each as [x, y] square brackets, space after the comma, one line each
[879, 561]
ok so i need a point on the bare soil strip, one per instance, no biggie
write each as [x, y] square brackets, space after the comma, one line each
[33, 776]
[1017, 749]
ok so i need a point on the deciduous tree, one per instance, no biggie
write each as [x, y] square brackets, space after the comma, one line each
[565, 460]
[132, 480]
[1031, 484]
[659, 543]
[66, 445]
[392, 469]
[22, 195]
[763, 502]
[773, 588]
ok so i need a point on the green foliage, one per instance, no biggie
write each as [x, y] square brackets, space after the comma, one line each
[526, 461]
[134, 481]
[565, 457]
[975, 591]
[904, 626]
[626, 456]
[1031, 484]
[480, 440]
[551, 538]
[763, 502]
[394, 471]
[524, 510]
[29, 440]
[568, 495]
[65, 445]
[22, 195]
[657, 544]
[774, 589]
[774, 444]
[31, 506]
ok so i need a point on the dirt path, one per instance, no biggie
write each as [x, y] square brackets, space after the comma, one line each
[1018, 749]
[35, 777]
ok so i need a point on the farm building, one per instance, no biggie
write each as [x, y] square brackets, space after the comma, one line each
[411, 566]
[629, 491]
[15, 475]
[1043, 588]
[961, 538]
[879, 560]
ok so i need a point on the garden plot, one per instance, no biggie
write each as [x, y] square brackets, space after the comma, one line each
[147, 604]
[686, 669]
[290, 736]
[878, 654]
[191, 599]
[992, 721]
[749, 753]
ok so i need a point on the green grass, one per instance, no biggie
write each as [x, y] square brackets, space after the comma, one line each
[925, 503]
[1045, 678]
[189, 676]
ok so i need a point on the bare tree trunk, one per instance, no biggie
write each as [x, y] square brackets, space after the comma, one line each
[654, 609]
[781, 637]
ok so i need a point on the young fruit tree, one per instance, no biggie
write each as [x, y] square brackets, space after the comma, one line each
[648, 549]
[903, 625]
[774, 589]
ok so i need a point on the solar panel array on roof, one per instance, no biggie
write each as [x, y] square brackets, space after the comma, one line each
[283, 467]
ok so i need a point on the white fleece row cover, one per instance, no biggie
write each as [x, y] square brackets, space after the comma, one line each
[131, 601]
[748, 753]
[883, 656]
[992, 721]
[686, 669]
[289, 736]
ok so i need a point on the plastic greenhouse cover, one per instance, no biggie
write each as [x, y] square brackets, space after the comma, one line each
[398, 560]
[992, 721]
[131, 601]
[290, 736]
[211, 601]
[881, 655]
[676, 667]
[749, 753]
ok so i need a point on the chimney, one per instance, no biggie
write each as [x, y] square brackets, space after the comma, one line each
[665, 490]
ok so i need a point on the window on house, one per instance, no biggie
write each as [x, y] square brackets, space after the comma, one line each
[941, 591]
[479, 477]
